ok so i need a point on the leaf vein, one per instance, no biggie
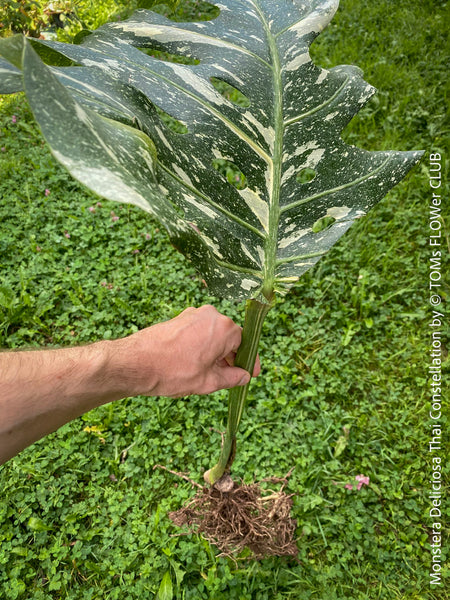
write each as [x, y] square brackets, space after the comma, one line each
[211, 202]
[232, 126]
[223, 42]
[336, 189]
[238, 268]
[319, 107]
[283, 261]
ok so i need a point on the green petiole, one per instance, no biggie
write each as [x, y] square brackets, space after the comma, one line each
[255, 313]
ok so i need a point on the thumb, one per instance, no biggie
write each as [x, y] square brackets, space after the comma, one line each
[230, 377]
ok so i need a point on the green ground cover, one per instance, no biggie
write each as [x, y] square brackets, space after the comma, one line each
[83, 515]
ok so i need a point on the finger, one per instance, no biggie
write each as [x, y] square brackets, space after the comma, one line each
[233, 339]
[229, 360]
[228, 377]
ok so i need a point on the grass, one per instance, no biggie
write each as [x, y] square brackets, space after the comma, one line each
[344, 392]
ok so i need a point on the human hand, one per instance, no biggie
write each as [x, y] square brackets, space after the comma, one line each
[41, 390]
[190, 354]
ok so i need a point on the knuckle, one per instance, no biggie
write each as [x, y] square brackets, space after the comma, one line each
[227, 322]
[210, 308]
[207, 309]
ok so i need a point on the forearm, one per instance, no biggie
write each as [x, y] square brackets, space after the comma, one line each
[44, 389]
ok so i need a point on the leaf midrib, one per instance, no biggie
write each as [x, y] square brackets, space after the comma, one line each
[275, 165]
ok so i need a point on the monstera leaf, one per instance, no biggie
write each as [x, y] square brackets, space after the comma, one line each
[100, 120]
[99, 104]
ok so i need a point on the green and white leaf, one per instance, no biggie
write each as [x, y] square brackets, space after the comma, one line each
[101, 122]
[10, 78]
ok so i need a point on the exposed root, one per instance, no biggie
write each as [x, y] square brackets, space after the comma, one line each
[245, 516]
[178, 474]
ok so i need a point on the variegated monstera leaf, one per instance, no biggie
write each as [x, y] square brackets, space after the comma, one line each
[96, 107]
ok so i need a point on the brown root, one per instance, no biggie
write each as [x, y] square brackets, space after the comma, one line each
[244, 516]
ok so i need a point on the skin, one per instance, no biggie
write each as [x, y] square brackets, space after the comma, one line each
[44, 389]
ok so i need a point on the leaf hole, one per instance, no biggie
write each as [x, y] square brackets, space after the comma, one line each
[323, 223]
[52, 57]
[180, 212]
[188, 11]
[230, 172]
[229, 92]
[306, 175]
[168, 57]
[170, 122]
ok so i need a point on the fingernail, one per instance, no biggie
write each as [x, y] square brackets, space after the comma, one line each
[244, 380]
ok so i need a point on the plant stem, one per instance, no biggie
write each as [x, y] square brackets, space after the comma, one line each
[255, 313]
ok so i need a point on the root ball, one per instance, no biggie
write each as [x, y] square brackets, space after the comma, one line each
[242, 516]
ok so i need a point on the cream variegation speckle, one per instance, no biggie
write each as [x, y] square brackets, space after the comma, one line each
[257, 205]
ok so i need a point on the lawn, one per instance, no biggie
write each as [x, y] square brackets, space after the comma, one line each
[344, 389]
